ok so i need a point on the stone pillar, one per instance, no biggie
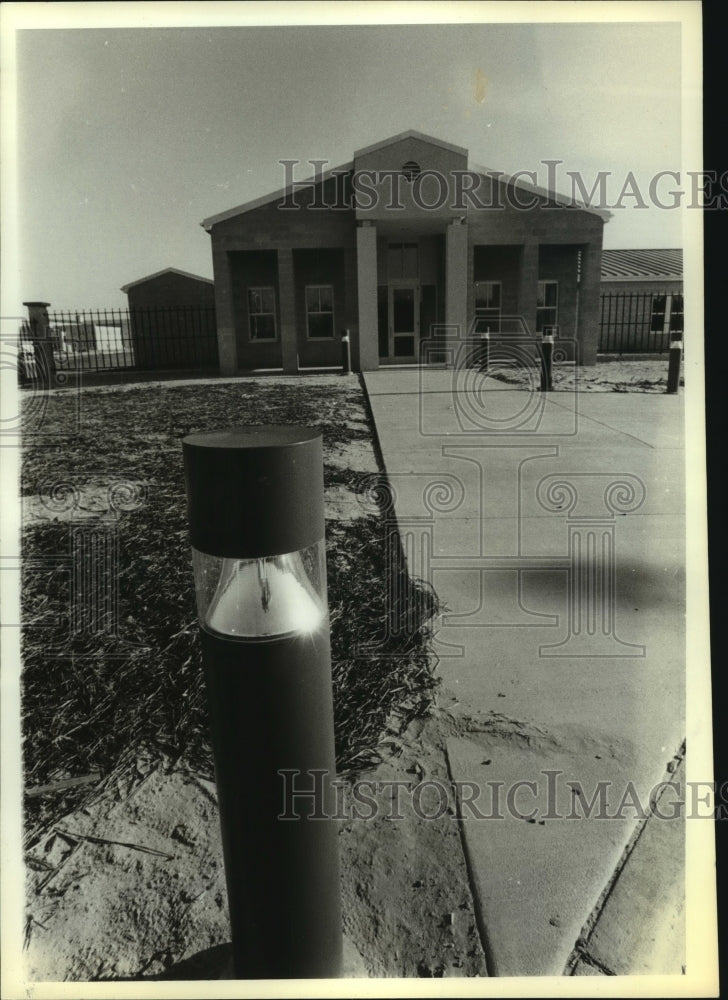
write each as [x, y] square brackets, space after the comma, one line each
[365, 357]
[456, 285]
[287, 301]
[589, 301]
[40, 335]
[528, 285]
[227, 343]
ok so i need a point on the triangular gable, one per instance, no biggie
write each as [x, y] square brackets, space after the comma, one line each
[410, 134]
[488, 172]
[267, 199]
[166, 270]
[553, 196]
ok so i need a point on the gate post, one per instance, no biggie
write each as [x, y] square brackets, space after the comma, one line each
[42, 343]
[673, 365]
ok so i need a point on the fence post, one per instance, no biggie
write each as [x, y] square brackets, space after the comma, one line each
[40, 335]
[547, 350]
[673, 366]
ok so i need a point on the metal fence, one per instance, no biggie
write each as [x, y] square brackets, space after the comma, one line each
[148, 339]
[640, 322]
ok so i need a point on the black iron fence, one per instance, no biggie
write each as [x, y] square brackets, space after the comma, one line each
[148, 339]
[640, 322]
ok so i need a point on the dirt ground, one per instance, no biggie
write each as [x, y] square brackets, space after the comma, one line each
[132, 885]
[614, 375]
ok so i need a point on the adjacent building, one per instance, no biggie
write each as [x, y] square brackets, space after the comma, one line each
[406, 246]
[642, 300]
[172, 320]
[170, 288]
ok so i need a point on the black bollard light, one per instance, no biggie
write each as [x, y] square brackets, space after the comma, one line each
[255, 503]
[345, 353]
[673, 366]
[547, 350]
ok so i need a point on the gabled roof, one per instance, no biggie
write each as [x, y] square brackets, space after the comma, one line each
[642, 264]
[411, 134]
[166, 270]
[554, 196]
[267, 199]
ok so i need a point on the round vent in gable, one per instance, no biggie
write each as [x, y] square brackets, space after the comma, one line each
[411, 170]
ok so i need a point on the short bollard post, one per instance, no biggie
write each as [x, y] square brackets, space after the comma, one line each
[256, 515]
[547, 351]
[673, 366]
[345, 353]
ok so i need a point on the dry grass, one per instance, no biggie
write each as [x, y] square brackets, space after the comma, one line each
[96, 701]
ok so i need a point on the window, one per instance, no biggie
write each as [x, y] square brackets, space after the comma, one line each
[411, 169]
[547, 304]
[676, 314]
[657, 318]
[667, 313]
[402, 260]
[262, 313]
[320, 312]
[488, 305]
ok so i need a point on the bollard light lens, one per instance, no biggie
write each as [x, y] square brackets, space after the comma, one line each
[269, 597]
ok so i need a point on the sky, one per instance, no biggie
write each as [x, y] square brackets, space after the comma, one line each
[127, 138]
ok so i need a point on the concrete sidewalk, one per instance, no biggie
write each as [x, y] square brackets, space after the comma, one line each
[552, 528]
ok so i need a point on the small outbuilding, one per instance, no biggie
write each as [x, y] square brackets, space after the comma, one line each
[170, 289]
[172, 320]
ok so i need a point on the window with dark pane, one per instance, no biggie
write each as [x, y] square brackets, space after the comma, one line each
[547, 304]
[659, 306]
[676, 314]
[320, 312]
[487, 306]
[262, 313]
[402, 260]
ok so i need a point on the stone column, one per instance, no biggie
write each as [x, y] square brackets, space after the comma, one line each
[366, 357]
[456, 285]
[40, 335]
[589, 300]
[227, 344]
[528, 285]
[287, 300]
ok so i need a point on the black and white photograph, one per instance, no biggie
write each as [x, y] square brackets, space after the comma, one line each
[354, 512]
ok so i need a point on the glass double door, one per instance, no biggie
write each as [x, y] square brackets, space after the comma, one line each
[404, 321]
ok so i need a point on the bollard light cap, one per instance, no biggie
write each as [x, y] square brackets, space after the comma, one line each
[254, 491]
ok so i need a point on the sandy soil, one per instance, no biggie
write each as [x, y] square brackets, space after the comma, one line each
[132, 886]
[606, 376]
